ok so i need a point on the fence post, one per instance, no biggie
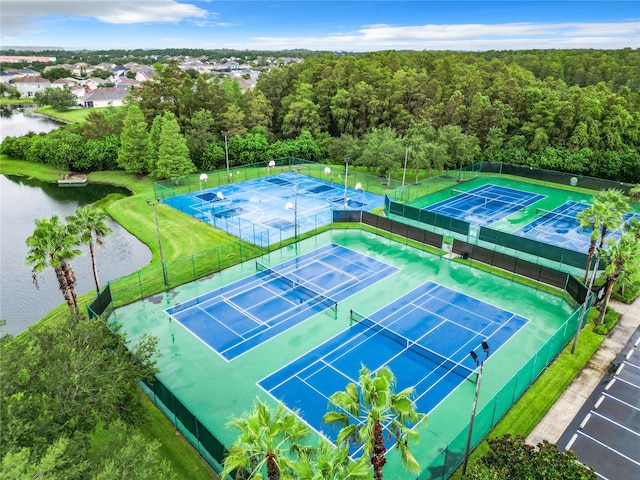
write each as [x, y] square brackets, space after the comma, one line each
[140, 286]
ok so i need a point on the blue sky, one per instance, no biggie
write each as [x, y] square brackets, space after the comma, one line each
[321, 25]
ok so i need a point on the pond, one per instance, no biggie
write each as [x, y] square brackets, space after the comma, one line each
[24, 200]
[15, 122]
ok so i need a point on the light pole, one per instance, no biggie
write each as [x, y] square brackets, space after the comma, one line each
[359, 187]
[406, 156]
[226, 156]
[346, 174]
[288, 206]
[203, 178]
[479, 363]
[219, 196]
[155, 216]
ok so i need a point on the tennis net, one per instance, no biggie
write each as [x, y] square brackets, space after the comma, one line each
[410, 345]
[296, 286]
[498, 203]
[551, 214]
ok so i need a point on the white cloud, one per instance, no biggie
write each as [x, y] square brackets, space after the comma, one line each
[508, 36]
[24, 16]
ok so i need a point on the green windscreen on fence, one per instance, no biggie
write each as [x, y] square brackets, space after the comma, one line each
[101, 304]
[533, 247]
[428, 217]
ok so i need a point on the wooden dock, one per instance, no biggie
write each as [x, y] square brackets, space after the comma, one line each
[73, 180]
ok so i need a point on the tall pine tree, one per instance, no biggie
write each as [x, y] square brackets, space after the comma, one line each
[173, 154]
[134, 142]
[154, 142]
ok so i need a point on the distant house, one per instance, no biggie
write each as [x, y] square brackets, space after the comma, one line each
[124, 82]
[29, 86]
[118, 71]
[28, 72]
[66, 66]
[64, 82]
[93, 82]
[79, 69]
[145, 75]
[106, 97]
[9, 75]
[79, 92]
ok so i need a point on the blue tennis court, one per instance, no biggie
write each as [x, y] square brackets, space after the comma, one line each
[264, 211]
[424, 337]
[561, 227]
[484, 205]
[240, 316]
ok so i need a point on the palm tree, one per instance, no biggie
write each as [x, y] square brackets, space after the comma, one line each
[633, 227]
[634, 193]
[590, 218]
[611, 207]
[268, 440]
[90, 225]
[53, 245]
[372, 404]
[331, 463]
[623, 266]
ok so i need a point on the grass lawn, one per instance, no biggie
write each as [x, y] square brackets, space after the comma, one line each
[39, 171]
[186, 463]
[16, 101]
[76, 115]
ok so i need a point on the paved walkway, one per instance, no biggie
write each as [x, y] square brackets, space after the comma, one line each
[556, 421]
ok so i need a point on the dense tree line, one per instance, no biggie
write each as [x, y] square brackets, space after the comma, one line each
[445, 109]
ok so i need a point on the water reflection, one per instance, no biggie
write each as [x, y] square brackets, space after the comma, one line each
[24, 200]
[15, 122]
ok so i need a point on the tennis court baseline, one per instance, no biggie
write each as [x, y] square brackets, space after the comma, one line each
[238, 317]
[424, 337]
[484, 205]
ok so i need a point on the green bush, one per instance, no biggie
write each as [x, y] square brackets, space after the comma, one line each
[629, 295]
[610, 320]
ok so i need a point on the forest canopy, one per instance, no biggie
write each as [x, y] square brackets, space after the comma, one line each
[569, 110]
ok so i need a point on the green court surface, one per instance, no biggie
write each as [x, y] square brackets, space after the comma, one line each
[213, 389]
[554, 197]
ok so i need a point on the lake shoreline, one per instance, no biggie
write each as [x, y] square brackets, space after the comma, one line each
[134, 215]
[50, 175]
[28, 196]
